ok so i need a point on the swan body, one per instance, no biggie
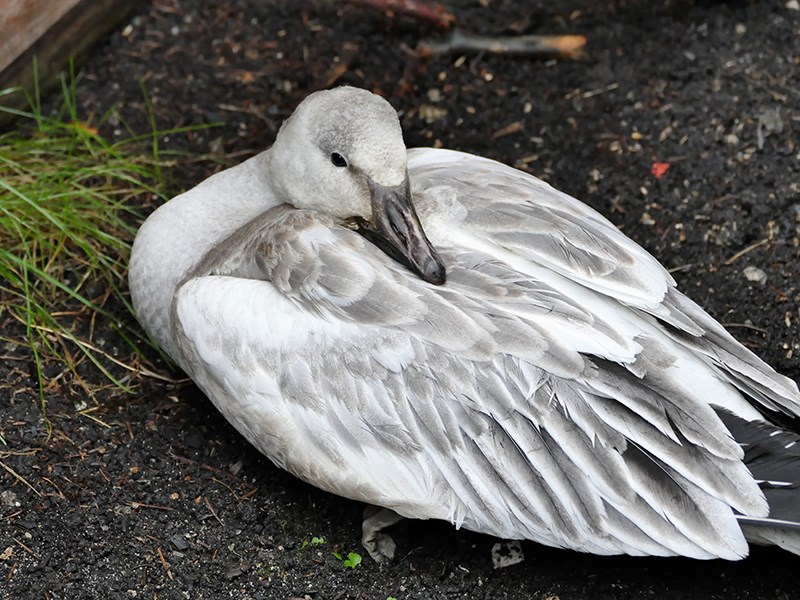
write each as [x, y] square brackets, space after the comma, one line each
[507, 361]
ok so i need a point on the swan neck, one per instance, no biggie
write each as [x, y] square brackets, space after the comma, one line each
[179, 234]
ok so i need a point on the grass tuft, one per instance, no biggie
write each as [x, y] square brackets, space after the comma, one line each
[70, 204]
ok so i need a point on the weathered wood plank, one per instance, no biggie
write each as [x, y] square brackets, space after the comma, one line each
[52, 31]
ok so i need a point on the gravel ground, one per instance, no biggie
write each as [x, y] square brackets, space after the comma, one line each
[169, 502]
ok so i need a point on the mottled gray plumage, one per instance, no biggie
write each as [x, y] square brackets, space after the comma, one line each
[557, 387]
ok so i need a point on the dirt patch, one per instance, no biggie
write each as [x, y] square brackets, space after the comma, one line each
[155, 496]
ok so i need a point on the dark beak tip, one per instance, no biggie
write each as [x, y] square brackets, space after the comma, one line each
[435, 274]
[438, 280]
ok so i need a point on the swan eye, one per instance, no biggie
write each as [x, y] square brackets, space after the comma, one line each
[338, 160]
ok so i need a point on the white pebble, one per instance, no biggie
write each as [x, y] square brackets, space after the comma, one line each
[755, 274]
[731, 139]
[506, 554]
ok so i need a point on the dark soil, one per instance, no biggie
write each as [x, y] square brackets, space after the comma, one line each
[167, 501]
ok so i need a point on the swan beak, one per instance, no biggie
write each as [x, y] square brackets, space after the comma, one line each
[400, 233]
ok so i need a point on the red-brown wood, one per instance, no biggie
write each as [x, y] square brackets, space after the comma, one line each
[52, 32]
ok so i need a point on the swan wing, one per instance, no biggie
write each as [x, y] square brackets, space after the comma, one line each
[549, 236]
[504, 402]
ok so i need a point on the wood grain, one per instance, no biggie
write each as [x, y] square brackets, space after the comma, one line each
[51, 32]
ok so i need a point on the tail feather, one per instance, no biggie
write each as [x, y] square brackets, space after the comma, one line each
[772, 532]
[772, 454]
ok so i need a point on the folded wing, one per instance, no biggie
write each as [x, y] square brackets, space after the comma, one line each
[551, 390]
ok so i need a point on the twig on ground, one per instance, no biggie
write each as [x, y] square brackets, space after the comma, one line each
[247, 495]
[28, 550]
[85, 413]
[20, 478]
[164, 562]
[683, 267]
[569, 47]
[747, 326]
[138, 505]
[84, 344]
[213, 512]
[346, 57]
[741, 253]
[430, 12]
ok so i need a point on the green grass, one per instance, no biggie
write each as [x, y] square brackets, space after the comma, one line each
[70, 204]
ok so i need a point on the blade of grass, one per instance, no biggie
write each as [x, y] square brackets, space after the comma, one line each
[151, 114]
[70, 204]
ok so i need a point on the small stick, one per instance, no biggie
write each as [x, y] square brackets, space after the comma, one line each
[20, 478]
[138, 370]
[213, 512]
[53, 483]
[682, 267]
[246, 495]
[346, 57]
[746, 326]
[533, 46]
[28, 550]
[164, 562]
[138, 505]
[741, 253]
[431, 12]
[85, 413]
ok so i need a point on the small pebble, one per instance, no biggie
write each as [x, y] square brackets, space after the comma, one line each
[9, 499]
[731, 139]
[431, 114]
[179, 542]
[647, 219]
[235, 570]
[506, 554]
[755, 274]
[793, 5]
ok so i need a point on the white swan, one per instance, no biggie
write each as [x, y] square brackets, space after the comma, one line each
[556, 388]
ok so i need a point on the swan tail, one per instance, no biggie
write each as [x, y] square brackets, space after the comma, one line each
[772, 454]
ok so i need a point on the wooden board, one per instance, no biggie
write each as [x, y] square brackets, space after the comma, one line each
[52, 31]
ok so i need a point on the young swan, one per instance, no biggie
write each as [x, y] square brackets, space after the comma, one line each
[556, 388]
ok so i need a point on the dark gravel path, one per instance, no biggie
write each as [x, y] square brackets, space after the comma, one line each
[169, 502]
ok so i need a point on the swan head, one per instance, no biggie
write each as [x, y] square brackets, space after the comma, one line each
[342, 153]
